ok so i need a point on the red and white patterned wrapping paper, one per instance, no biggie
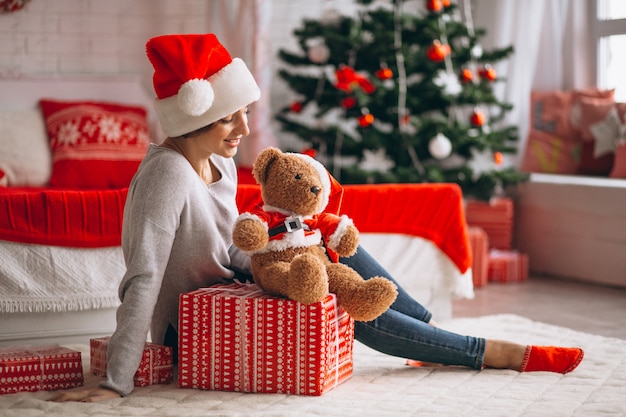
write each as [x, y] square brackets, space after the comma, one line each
[238, 338]
[479, 242]
[495, 217]
[507, 266]
[155, 366]
[39, 368]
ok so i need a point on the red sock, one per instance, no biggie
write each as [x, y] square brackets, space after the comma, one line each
[551, 359]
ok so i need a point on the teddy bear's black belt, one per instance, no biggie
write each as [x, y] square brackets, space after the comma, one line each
[291, 224]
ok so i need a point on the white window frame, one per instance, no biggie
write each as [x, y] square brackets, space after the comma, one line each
[599, 29]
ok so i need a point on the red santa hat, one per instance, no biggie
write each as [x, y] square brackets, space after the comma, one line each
[197, 82]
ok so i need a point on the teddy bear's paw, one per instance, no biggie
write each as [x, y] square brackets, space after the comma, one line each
[308, 281]
[349, 242]
[371, 299]
[250, 235]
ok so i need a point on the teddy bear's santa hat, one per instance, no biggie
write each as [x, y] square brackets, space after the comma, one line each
[197, 82]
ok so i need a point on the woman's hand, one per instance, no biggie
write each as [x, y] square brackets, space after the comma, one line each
[86, 395]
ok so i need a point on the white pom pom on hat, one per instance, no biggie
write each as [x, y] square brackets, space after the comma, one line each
[195, 97]
[197, 82]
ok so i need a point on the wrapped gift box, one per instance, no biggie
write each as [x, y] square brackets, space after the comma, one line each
[507, 266]
[479, 244]
[155, 366]
[238, 338]
[495, 217]
[39, 368]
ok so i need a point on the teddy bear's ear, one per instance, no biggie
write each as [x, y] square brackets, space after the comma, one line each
[262, 163]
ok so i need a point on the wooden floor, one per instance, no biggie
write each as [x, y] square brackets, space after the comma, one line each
[584, 307]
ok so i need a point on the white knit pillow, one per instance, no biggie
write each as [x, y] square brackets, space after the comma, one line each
[25, 156]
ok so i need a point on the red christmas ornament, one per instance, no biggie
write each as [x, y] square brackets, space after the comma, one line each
[498, 158]
[384, 73]
[437, 52]
[348, 79]
[488, 73]
[348, 102]
[366, 120]
[296, 107]
[478, 118]
[434, 5]
[446, 3]
[466, 75]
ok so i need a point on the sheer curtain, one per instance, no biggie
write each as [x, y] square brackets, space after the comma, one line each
[243, 26]
[552, 50]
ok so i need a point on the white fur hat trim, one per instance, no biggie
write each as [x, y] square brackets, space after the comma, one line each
[233, 88]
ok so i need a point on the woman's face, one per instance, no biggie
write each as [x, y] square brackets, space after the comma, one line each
[224, 137]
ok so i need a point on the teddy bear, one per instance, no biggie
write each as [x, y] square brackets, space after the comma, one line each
[292, 242]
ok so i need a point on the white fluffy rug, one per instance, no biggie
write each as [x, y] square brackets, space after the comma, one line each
[383, 386]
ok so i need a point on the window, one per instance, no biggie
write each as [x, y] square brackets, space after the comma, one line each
[610, 40]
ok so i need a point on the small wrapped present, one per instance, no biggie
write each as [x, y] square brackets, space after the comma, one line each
[238, 338]
[155, 366]
[39, 368]
[495, 217]
[479, 243]
[507, 266]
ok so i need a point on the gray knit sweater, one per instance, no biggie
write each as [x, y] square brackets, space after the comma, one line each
[176, 237]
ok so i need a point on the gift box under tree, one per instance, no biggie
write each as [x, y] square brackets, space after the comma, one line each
[238, 338]
[479, 243]
[495, 217]
[507, 266]
[154, 368]
[39, 368]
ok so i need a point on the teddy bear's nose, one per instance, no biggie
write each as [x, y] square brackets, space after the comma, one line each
[315, 189]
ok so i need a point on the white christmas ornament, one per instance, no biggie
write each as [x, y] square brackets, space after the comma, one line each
[440, 146]
[477, 51]
[319, 53]
[331, 16]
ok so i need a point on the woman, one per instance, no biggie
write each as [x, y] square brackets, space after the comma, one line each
[178, 221]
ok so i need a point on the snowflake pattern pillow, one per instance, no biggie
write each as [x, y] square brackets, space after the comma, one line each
[95, 145]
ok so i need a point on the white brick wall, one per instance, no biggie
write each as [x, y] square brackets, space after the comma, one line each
[91, 36]
[69, 37]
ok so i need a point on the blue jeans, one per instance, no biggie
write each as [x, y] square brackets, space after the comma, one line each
[403, 330]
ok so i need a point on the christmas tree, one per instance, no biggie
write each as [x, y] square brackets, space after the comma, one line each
[395, 96]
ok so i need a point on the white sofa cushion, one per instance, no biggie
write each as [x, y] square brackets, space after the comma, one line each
[25, 157]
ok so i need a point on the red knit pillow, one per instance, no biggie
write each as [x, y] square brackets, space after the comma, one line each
[95, 145]
[550, 154]
[592, 111]
[619, 167]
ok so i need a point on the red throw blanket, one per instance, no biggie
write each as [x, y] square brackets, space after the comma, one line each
[93, 218]
[86, 218]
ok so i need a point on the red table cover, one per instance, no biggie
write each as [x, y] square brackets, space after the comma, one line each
[74, 218]
[238, 338]
[93, 218]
